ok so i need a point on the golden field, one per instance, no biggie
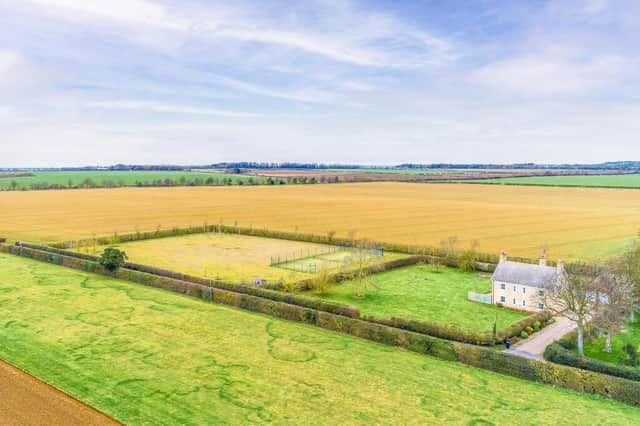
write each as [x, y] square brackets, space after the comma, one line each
[571, 222]
[229, 257]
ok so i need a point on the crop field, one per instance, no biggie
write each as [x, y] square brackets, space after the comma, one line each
[108, 178]
[423, 292]
[631, 335]
[228, 257]
[606, 181]
[573, 223]
[145, 355]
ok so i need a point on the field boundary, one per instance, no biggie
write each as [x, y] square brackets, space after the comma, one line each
[634, 188]
[274, 292]
[619, 389]
[485, 261]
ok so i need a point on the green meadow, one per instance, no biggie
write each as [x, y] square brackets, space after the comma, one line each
[148, 356]
[604, 181]
[114, 178]
[425, 292]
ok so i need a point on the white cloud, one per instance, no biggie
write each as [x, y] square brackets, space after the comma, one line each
[9, 60]
[365, 39]
[134, 11]
[550, 74]
[167, 108]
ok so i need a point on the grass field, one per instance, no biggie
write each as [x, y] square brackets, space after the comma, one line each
[147, 356]
[595, 348]
[606, 181]
[225, 256]
[427, 293]
[110, 178]
[571, 222]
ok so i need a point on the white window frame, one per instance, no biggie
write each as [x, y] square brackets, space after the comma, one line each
[503, 286]
[503, 299]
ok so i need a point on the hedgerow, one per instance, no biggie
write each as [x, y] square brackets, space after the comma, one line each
[559, 354]
[620, 389]
[485, 261]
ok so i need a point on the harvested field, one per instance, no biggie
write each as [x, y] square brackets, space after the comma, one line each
[572, 222]
[416, 174]
[26, 401]
[227, 257]
[147, 356]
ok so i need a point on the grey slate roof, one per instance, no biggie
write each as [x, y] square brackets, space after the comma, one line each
[525, 274]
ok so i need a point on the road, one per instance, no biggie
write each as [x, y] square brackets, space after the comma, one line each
[26, 401]
[534, 346]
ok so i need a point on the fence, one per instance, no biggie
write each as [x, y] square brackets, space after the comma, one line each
[479, 297]
[304, 254]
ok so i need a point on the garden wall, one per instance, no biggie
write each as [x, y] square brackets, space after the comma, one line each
[616, 388]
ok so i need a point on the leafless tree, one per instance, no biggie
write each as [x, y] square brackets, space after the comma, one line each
[613, 303]
[627, 267]
[573, 297]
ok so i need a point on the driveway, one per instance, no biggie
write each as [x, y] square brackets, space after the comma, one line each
[533, 347]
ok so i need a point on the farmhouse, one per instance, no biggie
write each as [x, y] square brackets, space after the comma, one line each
[522, 285]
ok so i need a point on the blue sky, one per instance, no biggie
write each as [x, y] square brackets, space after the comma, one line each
[373, 82]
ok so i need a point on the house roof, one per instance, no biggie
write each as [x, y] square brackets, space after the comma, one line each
[525, 274]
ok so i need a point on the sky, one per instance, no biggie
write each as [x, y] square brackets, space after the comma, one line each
[99, 82]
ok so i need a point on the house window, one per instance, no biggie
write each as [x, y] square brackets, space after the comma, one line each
[524, 289]
[514, 288]
[540, 293]
[503, 286]
[524, 303]
[502, 299]
[514, 300]
[540, 306]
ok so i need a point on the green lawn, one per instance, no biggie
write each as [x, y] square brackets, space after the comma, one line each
[114, 178]
[613, 181]
[426, 293]
[595, 348]
[147, 356]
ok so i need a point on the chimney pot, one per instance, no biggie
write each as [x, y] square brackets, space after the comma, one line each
[503, 256]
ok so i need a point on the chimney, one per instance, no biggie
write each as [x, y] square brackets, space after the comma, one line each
[560, 267]
[503, 256]
[543, 260]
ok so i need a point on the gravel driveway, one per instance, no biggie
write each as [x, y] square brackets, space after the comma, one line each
[533, 347]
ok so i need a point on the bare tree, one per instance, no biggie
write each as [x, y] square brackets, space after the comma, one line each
[613, 303]
[573, 297]
[364, 266]
[627, 267]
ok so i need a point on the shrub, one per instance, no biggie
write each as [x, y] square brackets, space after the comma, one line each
[524, 334]
[537, 325]
[559, 353]
[529, 330]
[467, 261]
[112, 259]
[619, 389]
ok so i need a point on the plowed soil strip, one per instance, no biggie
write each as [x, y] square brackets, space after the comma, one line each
[25, 400]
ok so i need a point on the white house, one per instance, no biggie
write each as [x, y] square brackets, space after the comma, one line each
[522, 285]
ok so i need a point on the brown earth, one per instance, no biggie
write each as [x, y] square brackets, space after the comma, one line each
[442, 175]
[25, 400]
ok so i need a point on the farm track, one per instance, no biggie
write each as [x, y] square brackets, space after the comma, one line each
[25, 400]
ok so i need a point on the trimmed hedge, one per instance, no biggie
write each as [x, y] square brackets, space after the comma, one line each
[485, 261]
[616, 388]
[347, 275]
[443, 331]
[307, 302]
[432, 328]
[515, 329]
[557, 353]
